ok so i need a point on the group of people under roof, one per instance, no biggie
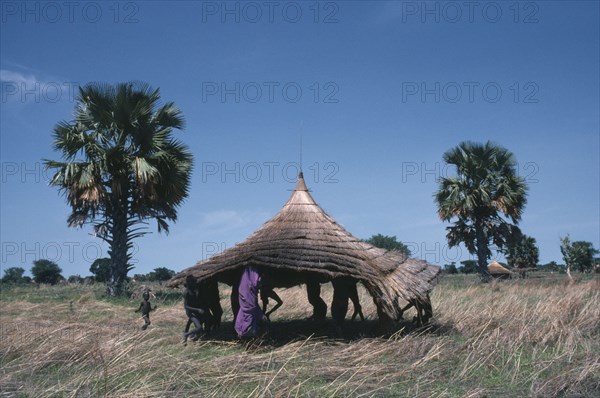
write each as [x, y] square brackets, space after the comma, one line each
[203, 308]
[202, 304]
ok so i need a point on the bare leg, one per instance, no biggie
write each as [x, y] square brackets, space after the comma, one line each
[313, 291]
[339, 304]
[353, 293]
[235, 300]
[278, 301]
[197, 330]
[214, 304]
[146, 322]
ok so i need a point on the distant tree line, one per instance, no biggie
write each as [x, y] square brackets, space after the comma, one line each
[521, 252]
[159, 274]
[48, 272]
[43, 271]
[470, 267]
[102, 266]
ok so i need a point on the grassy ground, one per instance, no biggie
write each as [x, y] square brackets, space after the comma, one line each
[538, 337]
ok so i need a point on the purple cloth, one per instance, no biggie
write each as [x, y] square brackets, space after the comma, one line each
[250, 316]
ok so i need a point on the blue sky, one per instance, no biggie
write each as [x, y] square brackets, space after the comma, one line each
[378, 91]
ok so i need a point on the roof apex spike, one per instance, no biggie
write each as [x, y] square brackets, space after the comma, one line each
[300, 184]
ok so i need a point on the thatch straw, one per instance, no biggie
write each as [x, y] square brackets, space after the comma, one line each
[302, 242]
[495, 268]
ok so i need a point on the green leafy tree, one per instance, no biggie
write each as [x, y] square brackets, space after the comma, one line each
[101, 269]
[46, 271]
[161, 274]
[482, 198]
[390, 243]
[578, 255]
[522, 253]
[468, 267]
[451, 268]
[13, 275]
[121, 166]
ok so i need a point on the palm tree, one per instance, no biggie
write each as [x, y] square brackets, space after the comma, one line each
[121, 166]
[485, 188]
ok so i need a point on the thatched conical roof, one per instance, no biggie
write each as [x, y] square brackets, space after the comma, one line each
[301, 239]
[495, 268]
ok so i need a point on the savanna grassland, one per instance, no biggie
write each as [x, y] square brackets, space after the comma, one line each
[538, 337]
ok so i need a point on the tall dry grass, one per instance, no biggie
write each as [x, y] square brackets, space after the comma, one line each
[520, 338]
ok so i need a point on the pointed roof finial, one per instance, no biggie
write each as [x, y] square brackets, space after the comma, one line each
[301, 147]
[300, 184]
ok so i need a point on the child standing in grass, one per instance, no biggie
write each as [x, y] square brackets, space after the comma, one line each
[146, 307]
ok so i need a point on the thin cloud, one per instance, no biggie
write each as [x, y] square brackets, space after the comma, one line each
[9, 76]
[28, 87]
[220, 221]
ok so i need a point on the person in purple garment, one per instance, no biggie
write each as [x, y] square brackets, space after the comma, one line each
[250, 319]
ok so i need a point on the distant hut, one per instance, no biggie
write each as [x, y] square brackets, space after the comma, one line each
[498, 271]
[302, 243]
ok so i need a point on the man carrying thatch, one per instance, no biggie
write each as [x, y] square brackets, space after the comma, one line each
[344, 289]
[196, 310]
[250, 319]
[209, 291]
[313, 292]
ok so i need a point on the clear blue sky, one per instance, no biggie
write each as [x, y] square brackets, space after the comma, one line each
[378, 91]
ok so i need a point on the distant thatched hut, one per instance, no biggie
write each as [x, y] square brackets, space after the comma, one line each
[302, 243]
[498, 271]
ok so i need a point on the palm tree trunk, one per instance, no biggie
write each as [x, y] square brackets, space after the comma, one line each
[481, 252]
[118, 249]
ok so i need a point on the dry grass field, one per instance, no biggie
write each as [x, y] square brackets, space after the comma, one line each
[538, 337]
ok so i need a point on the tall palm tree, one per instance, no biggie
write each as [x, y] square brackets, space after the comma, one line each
[486, 188]
[121, 166]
